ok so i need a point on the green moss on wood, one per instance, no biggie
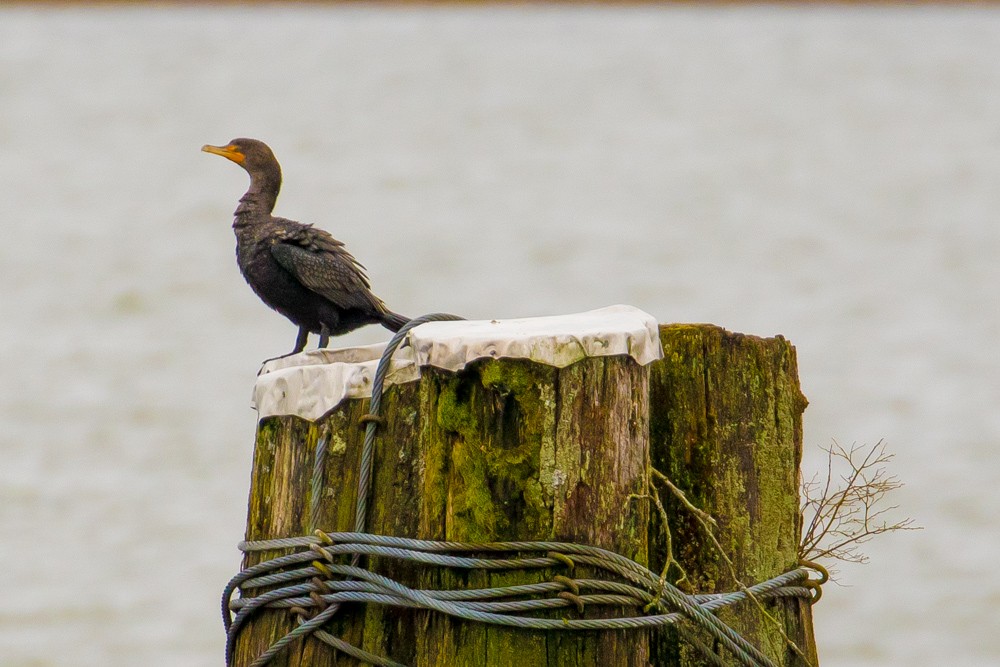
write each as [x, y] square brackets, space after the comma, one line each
[492, 418]
[726, 428]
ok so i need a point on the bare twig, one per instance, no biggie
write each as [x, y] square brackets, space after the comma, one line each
[848, 507]
[654, 496]
[708, 525]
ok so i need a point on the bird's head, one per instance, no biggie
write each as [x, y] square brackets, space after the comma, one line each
[251, 154]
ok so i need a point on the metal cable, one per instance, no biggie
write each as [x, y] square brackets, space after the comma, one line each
[316, 482]
[368, 448]
[385, 591]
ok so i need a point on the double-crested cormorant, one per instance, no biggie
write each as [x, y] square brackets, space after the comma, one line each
[300, 271]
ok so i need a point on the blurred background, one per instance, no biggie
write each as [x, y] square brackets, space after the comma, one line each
[825, 173]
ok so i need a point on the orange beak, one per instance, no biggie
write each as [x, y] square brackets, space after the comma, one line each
[229, 152]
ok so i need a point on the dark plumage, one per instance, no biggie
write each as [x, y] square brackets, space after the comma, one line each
[300, 271]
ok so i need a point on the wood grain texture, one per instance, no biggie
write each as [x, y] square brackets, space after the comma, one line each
[521, 451]
[726, 427]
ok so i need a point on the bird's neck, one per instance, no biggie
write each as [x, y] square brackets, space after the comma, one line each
[260, 198]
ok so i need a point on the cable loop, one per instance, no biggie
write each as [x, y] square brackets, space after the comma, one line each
[575, 599]
[568, 583]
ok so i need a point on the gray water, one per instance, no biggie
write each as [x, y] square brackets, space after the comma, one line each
[827, 174]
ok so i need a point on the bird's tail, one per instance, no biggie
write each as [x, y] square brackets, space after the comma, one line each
[394, 321]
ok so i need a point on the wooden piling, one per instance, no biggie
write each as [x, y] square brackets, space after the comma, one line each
[508, 449]
[726, 429]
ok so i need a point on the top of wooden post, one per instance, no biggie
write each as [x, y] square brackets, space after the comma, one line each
[310, 384]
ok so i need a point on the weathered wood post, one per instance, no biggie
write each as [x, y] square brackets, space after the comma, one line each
[555, 446]
[726, 428]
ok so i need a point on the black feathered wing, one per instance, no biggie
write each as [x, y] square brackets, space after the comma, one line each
[322, 264]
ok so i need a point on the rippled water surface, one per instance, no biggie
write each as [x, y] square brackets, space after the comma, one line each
[830, 175]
